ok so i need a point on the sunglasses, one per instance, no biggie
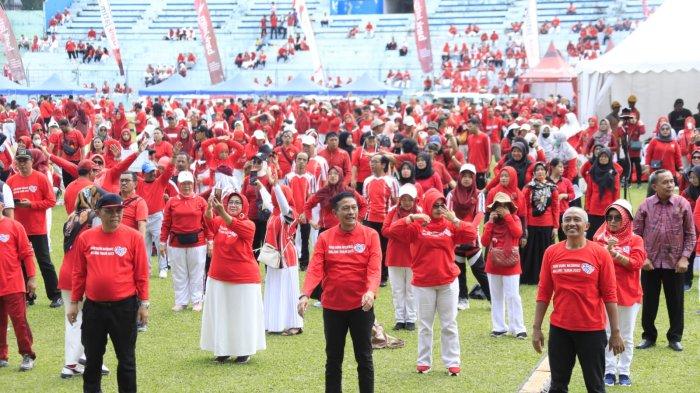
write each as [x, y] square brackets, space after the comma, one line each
[613, 218]
[439, 206]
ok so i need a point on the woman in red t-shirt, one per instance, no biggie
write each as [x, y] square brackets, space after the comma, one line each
[232, 321]
[426, 176]
[501, 236]
[663, 152]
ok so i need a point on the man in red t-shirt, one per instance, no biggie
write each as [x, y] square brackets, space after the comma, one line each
[67, 144]
[580, 276]
[479, 151]
[347, 259]
[135, 207]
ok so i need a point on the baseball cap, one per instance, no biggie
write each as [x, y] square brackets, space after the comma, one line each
[86, 165]
[148, 167]
[376, 123]
[185, 176]
[526, 127]
[23, 153]
[259, 134]
[433, 125]
[467, 167]
[109, 200]
[308, 140]
[409, 121]
[408, 189]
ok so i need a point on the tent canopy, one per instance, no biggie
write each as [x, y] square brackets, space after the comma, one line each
[235, 85]
[56, 86]
[365, 85]
[551, 69]
[174, 85]
[299, 85]
[658, 62]
[9, 87]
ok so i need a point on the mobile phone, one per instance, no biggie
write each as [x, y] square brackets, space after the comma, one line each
[217, 194]
[16, 201]
[253, 178]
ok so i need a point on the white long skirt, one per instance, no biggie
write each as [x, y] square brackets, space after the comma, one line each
[280, 299]
[232, 320]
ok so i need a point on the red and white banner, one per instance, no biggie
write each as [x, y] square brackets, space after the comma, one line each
[531, 35]
[208, 37]
[308, 30]
[9, 42]
[645, 8]
[111, 33]
[423, 47]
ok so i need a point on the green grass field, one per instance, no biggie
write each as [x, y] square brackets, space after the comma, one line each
[169, 358]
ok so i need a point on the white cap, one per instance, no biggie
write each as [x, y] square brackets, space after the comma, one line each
[409, 121]
[308, 140]
[625, 204]
[526, 127]
[376, 102]
[185, 176]
[513, 126]
[408, 189]
[259, 134]
[274, 108]
[291, 129]
[467, 167]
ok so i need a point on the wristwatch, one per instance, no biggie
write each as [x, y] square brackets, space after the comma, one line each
[145, 304]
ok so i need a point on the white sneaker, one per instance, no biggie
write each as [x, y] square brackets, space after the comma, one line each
[178, 308]
[463, 304]
[317, 304]
[197, 307]
[163, 273]
[70, 372]
[105, 370]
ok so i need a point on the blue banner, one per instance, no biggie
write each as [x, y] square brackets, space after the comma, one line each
[357, 7]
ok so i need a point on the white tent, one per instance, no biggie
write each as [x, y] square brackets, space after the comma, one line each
[658, 62]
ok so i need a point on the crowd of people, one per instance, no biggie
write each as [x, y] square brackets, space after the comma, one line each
[159, 73]
[360, 195]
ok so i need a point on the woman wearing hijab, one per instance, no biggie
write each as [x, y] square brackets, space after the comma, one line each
[232, 321]
[360, 157]
[508, 184]
[399, 259]
[282, 284]
[119, 123]
[183, 238]
[160, 144]
[542, 204]
[501, 236]
[433, 237]
[406, 174]
[663, 152]
[564, 153]
[604, 136]
[581, 139]
[628, 254]
[185, 141]
[518, 159]
[565, 189]
[323, 196]
[81, 219]
[691, 194]
[545, 141]
[635, 130]
[468, 204]
[425, 175]
[603, 180]
[125, 141]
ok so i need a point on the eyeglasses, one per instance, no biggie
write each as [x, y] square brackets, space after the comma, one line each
[235, 202]
[613, 218]
[98, 162]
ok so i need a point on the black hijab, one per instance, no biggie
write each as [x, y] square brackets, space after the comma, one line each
[604, 175]
[520, 165]
[426, 172]
[343, 138]
[692, 191]
[411, 179]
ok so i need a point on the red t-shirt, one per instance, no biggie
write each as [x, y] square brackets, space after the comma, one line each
[135, 210]
[347, 264]
[302, 187]
[184, 215]
[153, 192]
[73, 138]
[479, 153]
[37, 189]
[110, 266]
[339, 158]
[15, 251]
[232, 259]
[71, 193]
[379, 191]
[582, 281]
[398, 249]
[629, 287]
[515, 231]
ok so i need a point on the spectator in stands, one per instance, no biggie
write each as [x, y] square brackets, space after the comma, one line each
[369, 30]
[71, 49]
[263, 26]
[353, 32]
[571, 10]
[391, 45]
[273, 26]
[91, 34]
[325, 20]
[282, 53]
[677, 116]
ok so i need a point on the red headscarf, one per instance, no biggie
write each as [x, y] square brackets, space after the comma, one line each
[623, 235]
[465, 199]
[330, 190]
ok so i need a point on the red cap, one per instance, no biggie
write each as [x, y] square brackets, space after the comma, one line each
[36, 127]
[86, 165]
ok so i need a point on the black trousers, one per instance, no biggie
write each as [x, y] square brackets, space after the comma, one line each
[637, 166]
[259, 237]
[673, 291]
[479, 272]
[594, 223]
[335, 327]
[67, 177]
[118, 321]
[377, 226]
[305, 230]
[40, 244]
[481, 180]
[564, 346]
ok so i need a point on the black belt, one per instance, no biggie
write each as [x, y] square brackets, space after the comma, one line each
[112, 304]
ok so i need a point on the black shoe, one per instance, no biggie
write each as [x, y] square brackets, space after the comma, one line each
[221, 359]
[242, 359]
[676, 346]
[55, 303]
[382, 283]
[410, 326]
[399, 326]
[646, 344]
[687, 287]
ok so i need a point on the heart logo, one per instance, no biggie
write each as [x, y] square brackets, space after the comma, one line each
[120, 251]
[4, 237]
[587, 268]
[32, 188]
[359, 247]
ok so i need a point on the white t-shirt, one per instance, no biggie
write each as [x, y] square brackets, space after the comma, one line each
[7, 196]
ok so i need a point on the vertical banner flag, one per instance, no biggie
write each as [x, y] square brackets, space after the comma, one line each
[531, 38]
[9, 42]
[645, 8]
[423, 47]
[111, 33]
[208, 37]
[307, 28]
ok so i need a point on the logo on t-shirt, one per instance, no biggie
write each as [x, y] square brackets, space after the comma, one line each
[32, 188]
[120, 251]
[4, 237]
[359, 247]
[587, 268]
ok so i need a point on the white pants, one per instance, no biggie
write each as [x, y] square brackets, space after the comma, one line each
[627, 316]
[442, 299]
[73, 347]
[187, 266]
[402, 294]
[505, 293]
[153, 224]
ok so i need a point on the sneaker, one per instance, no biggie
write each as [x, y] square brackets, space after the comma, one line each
[242, 360]
[463, 304]
[521, 336]
[422, 369]
[71, 371]
[400, 326]
[57, 302]
[453, 371]
[318, 304]
[410, 326]
[687, 287]
[197, 307]
[141, 328]
[163, 273]
[625, 380]
[382, 283]
[4, 363]
[221, 359]
[609, 379]
[498, 334]
[27, 363]
[105, 370]
[82, 361]
[178, 307]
